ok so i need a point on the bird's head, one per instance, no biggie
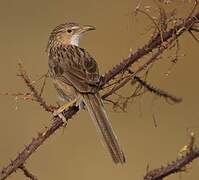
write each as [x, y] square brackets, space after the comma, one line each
[68, 34]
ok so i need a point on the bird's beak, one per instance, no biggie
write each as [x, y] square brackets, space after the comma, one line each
[87, 28]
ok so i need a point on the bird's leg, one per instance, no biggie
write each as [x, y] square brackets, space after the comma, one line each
[59, 111]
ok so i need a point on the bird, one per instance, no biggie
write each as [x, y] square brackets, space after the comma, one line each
[76, 78]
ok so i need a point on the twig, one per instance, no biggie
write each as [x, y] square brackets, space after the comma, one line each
[43, 84]
[172, 168]
[158, 92]
[115, 104]
[194, 8]
[24, 96]
[192, 34]
[176, 166]
[23, 74]
[153, 21]
[27, 173]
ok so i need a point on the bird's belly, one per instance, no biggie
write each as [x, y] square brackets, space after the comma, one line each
[65, 91]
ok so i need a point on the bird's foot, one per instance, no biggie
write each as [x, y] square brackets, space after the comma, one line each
[63, 107]
[58, 112]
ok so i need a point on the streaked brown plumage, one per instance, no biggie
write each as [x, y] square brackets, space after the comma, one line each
[75, 75]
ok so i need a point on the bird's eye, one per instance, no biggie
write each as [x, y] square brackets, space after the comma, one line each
[69, 30]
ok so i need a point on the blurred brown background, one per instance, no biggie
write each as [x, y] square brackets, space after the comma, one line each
[76, 152]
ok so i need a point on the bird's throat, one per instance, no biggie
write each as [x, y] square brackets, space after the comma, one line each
[75, 40]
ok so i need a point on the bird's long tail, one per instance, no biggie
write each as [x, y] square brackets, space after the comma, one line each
[98, 114]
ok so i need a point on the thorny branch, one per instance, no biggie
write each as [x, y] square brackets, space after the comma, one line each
[158, 92]
[178, 165]
[35, 93]
[153, 44]
[144, 66]
[156, 43]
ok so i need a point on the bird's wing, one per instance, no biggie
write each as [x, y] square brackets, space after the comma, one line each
[74, 66]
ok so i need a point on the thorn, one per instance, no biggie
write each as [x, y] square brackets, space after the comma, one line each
[11, 162]
[39, 134]
[3, 169]
[26, 146]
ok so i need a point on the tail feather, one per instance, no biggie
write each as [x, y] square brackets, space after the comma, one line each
[98, 114]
